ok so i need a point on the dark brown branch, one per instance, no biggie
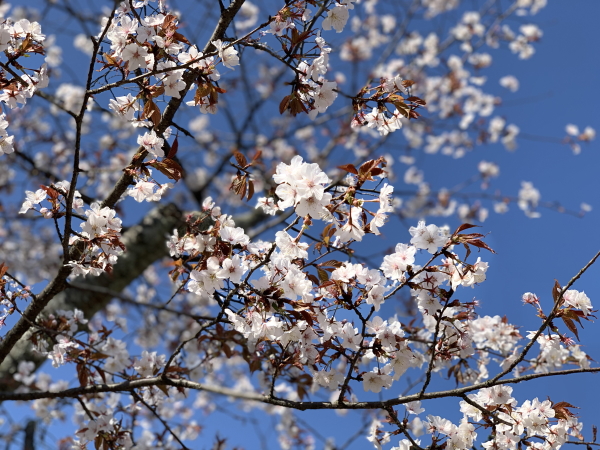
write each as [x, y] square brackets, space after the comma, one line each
[128, 386]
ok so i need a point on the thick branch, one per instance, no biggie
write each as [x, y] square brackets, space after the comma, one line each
[128, 386]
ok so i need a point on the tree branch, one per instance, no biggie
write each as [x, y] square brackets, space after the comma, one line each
[127, 386]
[145, 244]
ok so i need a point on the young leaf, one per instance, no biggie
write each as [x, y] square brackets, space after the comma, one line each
[250, 190]
[349, 168]
[571, 326]
[241, 159]
[173, 150]
[556, 291]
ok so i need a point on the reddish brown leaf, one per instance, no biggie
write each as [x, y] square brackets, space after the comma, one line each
[574, 315]
[284, 104]
[213, 97]
[295, 35]
[82, 374]
[174, 168]
[173, 150]
[571, 326]
[464, 226]
[323, 275]
[25, 44]
[256, 156]
[331, 263]
[163, 388]
[250, 190]
[306, 315]
[110, 61]
[326, 229]
[401, 106]
[563, 405]
[556, 291]
[297, 106]
[148, 109]
[241, 190]
[561, 411]
[301, 391]
[364, 173]
[204, 90]
[416, 100]
[102, 374]
[468, 250]
[479, 243]
[181, 38]
[52, 193]
[241, 159]
[168, 21]
[314, 280]
[169, 167]
[327, 283]
[255, 365]
[158, 91]
[3, 269]
[227, 350]
[404, 112]
[349, 168]
[395, 98]
[152, 112]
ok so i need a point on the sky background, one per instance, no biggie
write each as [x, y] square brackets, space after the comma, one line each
[558, 85]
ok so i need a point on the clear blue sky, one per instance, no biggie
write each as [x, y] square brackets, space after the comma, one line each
[558, 85]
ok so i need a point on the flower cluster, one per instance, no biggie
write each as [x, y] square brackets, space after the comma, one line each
[115, 360]
[217, 260]
[154, 44]
[551, 423]
[10, 293]
[55, 195]
[302, 186]
[19, 39]
[574, 136]
[316, 92]
[99, 242]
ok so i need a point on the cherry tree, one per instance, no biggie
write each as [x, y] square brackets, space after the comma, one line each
[204, 216]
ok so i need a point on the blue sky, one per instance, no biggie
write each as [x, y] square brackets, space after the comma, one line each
[561, 80]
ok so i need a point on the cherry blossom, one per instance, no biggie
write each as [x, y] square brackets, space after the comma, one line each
[33, 198]
[336, 18]
[228, 54]
[428, 237]
[152, 143]
[135, 56]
